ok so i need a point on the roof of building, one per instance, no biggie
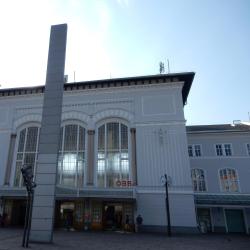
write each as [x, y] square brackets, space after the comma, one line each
[218, 128]
[186, 77]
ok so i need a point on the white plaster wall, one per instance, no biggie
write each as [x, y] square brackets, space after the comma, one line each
[152, 207]
[212, 163]
[148, 108]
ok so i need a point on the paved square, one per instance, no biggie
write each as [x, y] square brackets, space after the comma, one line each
[10, 239]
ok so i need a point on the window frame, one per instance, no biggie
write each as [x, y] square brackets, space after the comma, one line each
[248, 148]
[224, 149]
[61, 150]
[194, 152]
[205, 180]
[238, 180]
[98, 125]
[14, 162]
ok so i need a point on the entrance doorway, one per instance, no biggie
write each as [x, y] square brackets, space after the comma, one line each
[204, 219]
[17, 215]
[112, 219]
[66, 214]
[235, 221]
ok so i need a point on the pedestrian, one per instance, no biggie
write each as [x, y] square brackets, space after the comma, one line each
[127, 223]
[67, 222]
[139, 221]
[3, 219]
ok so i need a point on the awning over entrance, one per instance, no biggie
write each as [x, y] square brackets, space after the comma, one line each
[113, 193]
[63, 192]
[221, 199]
[12, 192]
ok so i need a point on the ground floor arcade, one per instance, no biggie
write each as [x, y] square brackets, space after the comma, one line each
[225, 213]
[79, 214]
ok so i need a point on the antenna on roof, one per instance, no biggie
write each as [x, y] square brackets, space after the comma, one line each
[236, 122]
[248, 113]
[168, 67]
[74, 76]
[65, 78]
[161, 67]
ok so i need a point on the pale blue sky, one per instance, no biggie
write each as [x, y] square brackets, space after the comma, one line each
[120, 38]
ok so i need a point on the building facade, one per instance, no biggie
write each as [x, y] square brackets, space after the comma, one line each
[118, 138]
[220, 160]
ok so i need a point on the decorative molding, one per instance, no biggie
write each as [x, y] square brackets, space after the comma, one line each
[111, 113]
[25, 119]
[75, 115]
[126, 88]
[101, 102]
[168, 123]
[27, 107]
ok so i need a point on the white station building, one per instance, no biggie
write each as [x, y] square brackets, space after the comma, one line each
[118, 138]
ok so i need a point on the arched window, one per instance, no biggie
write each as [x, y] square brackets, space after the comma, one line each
[113, 156]
[71, 160]
[26, 151]
[198, 180]
[229, 180]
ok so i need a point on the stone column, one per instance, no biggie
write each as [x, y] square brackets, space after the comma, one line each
[10, 159]
[44, 199]
[91, 157]
[133, 156]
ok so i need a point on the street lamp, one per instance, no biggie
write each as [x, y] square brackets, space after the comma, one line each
[27, 174]
[166, 180]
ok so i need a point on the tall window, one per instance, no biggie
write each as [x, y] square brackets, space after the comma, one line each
[112, 158]
[71, 161]
[198, 179]
[229, 180]
[26, 151]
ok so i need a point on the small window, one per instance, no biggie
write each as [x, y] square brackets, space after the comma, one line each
[228, 151]
[219, 151]
[223, 149]
[190, 151]
[194, 150]
[197, 150]
[248, 148]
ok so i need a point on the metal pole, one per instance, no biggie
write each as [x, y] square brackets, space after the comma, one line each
[30, 215]
[26, 221]
[167, 206]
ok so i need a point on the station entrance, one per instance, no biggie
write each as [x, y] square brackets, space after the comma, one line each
[94, 215]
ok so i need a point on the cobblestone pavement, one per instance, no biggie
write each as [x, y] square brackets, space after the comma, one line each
[10, 239]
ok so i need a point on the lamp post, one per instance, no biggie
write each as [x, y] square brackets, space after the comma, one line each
[30, 185]
[166, 181]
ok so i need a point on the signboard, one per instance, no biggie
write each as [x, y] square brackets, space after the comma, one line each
[124, 183]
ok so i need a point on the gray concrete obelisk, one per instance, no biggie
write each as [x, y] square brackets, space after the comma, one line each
[44, 198]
